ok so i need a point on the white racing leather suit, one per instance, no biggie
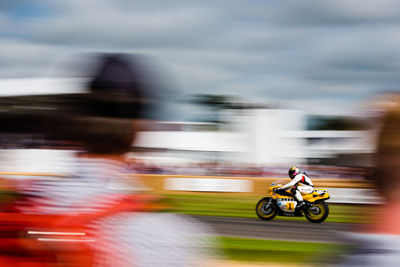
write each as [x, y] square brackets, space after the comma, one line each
[301, 183]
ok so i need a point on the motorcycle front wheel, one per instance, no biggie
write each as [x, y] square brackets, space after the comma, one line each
[318, 212]
[266, 209]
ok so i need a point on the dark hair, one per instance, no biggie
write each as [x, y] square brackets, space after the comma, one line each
[117, 88]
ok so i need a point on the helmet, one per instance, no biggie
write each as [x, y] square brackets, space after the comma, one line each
[293, 171]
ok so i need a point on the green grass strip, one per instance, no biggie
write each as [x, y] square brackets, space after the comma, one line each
[258, 250]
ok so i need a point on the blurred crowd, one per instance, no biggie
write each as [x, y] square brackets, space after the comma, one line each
[246, 170]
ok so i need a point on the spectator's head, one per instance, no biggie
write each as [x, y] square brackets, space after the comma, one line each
[387, 175]
[116, 102]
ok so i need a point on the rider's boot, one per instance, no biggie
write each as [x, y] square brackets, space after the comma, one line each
[300, 202]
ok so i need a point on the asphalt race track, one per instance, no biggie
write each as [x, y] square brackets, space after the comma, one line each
[278, 229]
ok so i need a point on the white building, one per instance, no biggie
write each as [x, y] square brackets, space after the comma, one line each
[257, 136]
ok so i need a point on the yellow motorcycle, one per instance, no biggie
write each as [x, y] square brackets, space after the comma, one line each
[282, 203]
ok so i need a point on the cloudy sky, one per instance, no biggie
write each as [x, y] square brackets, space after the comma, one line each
[320, 56]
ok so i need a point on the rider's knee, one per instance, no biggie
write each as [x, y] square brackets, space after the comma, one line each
[293, 190]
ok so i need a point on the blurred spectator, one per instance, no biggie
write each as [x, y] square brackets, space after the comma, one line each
[377, 244]
[100, 198]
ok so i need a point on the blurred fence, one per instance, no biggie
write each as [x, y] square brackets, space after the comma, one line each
[341, 190]
[348, 191]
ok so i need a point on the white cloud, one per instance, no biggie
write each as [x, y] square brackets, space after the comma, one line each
[109, 27]
[21, 58]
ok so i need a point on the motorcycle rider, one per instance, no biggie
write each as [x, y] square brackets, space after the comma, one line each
[300, 183]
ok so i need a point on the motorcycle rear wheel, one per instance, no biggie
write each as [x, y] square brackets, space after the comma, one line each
[266, 209]
[319, 214]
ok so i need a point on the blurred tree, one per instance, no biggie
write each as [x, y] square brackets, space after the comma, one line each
[337, 123]
[215, 103]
